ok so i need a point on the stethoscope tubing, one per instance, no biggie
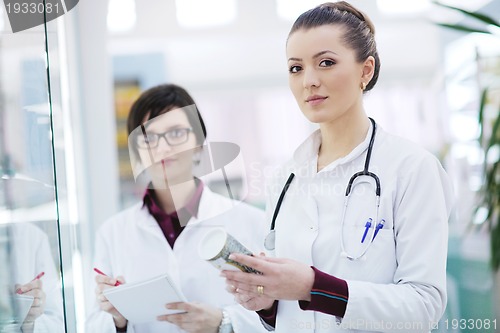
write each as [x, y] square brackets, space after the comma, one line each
[280, 200]
[270, 240]
[342, 244]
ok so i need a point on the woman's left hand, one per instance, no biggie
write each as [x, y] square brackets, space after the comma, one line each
[198, 318]
[281, 278]
[35, 289]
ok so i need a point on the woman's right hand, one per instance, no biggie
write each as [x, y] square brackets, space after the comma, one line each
[105, 282]
[249, 302]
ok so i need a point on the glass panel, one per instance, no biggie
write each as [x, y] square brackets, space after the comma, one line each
[30, 275]
[64, 170]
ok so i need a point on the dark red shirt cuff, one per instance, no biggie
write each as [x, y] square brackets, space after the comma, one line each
[269, 315]
[328, 295]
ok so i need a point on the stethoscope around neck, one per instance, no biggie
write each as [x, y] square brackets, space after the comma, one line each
[371, 230]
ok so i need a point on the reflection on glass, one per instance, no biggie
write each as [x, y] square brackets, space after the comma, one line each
[30, 285]
[31, 294]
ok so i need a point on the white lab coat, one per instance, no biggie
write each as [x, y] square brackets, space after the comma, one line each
[131, 244]
[31, 254]
[402, 279]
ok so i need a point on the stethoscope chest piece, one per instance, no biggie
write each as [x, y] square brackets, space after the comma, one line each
[270, 241]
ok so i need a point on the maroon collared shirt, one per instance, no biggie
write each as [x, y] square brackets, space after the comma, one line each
[170, 223]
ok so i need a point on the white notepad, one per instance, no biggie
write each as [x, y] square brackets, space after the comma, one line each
[23, 305]
[144, 301]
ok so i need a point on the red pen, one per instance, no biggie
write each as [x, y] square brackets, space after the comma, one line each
[100, 272]
[18, 290]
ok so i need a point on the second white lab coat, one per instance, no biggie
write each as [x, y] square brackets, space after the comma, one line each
[30, 251]
[400, 284]
[132, 245]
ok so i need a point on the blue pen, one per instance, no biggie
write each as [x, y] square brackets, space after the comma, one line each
[379, 226]
[367, 227]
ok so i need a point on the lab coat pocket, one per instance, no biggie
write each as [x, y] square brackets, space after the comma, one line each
[367, 260]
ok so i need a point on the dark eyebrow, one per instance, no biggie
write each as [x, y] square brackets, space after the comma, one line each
[319, 54]
[170, 128]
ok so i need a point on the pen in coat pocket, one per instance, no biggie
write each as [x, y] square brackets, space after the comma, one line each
[100, 272]
[19, 291]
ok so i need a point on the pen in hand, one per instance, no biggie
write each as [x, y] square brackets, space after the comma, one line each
[19, 291]
[100, 272]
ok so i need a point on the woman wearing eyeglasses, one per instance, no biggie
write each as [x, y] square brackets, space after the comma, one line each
[358, 217]
[161, 233]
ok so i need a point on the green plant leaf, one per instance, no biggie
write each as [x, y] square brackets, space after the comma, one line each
[481, 17]
[481, 111]
[495, 134]
[495, 245]
[463, 28]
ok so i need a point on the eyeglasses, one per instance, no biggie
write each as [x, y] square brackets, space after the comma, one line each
[174, 137]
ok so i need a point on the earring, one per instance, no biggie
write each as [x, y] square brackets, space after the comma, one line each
[363, 86]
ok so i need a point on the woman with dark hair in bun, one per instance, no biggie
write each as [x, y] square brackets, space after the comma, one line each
[357, 218]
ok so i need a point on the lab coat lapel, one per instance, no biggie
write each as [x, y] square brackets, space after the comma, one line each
[147, 223]
[310, 208]
[298, 224]
[211, 206]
